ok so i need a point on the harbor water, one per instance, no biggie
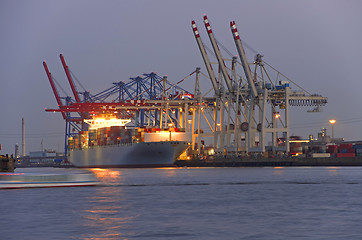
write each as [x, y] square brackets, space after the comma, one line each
[192, 203]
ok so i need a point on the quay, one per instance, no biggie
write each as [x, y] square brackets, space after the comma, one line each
[270, 162]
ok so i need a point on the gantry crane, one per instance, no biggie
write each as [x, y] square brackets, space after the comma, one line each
[147, 100]
[252, 100]
[256, 105]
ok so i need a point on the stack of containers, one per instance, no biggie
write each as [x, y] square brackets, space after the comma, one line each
[358, 149]
[108, 136]
[134, 134]
[76, 141]
[98, 137]
[93, 137]
[104, 132]
[315, 149]
[115, 132]
[125, 136]
[346, 150]
[141, 134]
[332, 149]
[84, 139]
[70, 143]
[296, 147]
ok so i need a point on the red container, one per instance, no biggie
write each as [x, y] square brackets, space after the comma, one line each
[345, 145]
[351, 150]
[332, 147]
[345, 154]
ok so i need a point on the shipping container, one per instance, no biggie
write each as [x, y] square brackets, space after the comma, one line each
[345, 154]
[320, 155]
[345, 145]
[351, 150]
[70, 143]
[332, 146]
[347, 150]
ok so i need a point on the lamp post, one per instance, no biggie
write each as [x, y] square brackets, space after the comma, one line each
[332, 122]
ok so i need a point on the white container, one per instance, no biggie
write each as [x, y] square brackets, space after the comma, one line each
[320, 155]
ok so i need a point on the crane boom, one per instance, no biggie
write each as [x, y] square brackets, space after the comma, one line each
[218, 55]
[53, 87]
[69, 79]
[243, 59]
[206, 59]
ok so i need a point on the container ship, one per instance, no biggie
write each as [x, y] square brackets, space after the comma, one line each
[110, 144]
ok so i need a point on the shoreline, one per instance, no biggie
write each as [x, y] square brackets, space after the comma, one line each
[272, 162]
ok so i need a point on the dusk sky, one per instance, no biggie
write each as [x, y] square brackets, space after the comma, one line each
[317, 44]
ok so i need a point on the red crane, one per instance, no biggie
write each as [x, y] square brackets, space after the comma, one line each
[54, 88]
[70, 79]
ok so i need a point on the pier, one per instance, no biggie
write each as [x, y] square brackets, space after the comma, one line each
[270, 162]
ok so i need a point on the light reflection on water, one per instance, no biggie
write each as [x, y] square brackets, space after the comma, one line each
[108, 209]
[278, 171]
[107, 176]
[168, 171]
[105, 212]
[333, 171]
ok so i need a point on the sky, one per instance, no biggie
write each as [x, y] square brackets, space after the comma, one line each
[317, 44]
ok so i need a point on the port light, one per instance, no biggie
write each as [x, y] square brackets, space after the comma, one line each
[103, 122]
[299, 141]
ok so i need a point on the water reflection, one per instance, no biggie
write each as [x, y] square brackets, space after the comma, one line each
[333, 171]
[168, 171]
[278, 171]
[107, 214]
[107, 176]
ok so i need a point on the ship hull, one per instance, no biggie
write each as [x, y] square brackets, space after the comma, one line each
[144, 154]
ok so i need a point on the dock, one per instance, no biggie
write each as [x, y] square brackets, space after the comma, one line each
[270, 162]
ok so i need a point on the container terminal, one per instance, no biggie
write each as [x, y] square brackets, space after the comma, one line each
[244, 117]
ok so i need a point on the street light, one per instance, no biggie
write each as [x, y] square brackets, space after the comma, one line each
[332, 122]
